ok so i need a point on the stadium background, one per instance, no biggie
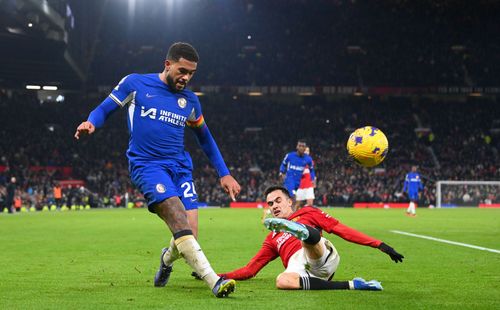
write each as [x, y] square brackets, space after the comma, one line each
[425, 72]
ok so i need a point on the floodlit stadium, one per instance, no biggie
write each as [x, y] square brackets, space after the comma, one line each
[379, 122]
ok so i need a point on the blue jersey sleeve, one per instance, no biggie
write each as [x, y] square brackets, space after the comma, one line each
[284, 163]
[121, 95]
[124, 92]
[405, 186]
[311, 168]
[99, 115]
[205, 138]
[420, 183]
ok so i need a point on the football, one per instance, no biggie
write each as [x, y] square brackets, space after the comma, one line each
[368, 146]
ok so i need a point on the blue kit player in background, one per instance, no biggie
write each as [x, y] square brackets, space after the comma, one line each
[158, 108]
[413, 185]
[293, 166]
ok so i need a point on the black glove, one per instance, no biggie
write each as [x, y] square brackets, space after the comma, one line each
[395, 256]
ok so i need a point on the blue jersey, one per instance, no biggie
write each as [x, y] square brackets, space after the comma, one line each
[413, 184]
[157, 117]
[293, 165]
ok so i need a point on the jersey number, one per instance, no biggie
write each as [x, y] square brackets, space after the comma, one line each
[189, 190]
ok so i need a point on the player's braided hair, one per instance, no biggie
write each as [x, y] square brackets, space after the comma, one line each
[182, 50]
[273, 188]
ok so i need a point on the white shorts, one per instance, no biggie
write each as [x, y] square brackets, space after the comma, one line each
[305, 193]
[300, 263]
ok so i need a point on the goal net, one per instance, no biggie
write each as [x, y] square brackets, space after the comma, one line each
[468, 194]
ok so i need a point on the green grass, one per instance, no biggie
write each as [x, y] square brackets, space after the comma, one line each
[106, 259]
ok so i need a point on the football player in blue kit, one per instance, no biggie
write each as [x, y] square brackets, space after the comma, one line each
[412, 186]
[159, 106]
[293, 166]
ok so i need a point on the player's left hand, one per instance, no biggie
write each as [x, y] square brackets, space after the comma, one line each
[395, 256]
[230, 186]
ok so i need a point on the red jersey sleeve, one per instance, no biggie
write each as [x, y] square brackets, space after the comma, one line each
[352, 235]
[266, 254]
[332, 225]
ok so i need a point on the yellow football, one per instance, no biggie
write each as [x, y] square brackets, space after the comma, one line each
[368, 146]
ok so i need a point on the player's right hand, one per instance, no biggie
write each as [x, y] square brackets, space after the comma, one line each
[395, 256]
[85, 128]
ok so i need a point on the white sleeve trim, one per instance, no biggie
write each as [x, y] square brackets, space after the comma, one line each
[128, 99]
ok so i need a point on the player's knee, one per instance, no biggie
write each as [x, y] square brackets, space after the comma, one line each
[287, 281]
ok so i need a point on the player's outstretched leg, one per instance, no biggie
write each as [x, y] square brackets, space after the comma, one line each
[362, 284]
[297, 230]
[172, 211]
[223, 287]
[163, 273]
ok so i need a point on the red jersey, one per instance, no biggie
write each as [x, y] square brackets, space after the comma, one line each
[285, 245]
[305, 180]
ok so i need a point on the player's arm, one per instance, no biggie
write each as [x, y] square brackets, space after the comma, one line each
[352, 235]
[207, 142]
[208, 145]
[259, 261]
[283, 166]
[119, 97]
[406, 185]
[97, 117]
[332, 225]
[312, 171]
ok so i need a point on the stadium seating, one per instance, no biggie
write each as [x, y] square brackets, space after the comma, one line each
[253, 147]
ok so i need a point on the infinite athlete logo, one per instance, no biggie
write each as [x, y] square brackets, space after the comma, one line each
[182, 102]
[160, 188]
[164, 116]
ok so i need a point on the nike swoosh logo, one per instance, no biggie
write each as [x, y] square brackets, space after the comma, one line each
[150, 96]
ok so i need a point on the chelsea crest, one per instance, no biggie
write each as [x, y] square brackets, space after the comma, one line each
[182, 102]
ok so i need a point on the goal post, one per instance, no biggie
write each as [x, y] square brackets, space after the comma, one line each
[467, 193]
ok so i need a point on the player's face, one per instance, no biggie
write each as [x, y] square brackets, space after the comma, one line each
[301, 148]
[279, 204]
[179, 73]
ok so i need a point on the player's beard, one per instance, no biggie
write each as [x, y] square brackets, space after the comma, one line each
[173, 84]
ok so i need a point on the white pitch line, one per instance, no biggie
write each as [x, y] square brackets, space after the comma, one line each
[447, 241]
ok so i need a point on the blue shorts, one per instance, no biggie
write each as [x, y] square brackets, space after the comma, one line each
[158, 181]
[413, 197]
[292, 186]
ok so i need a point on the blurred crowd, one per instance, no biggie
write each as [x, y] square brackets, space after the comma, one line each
[447, 140]
[341, 42]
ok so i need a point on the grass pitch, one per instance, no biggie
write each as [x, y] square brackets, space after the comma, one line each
[106, 259]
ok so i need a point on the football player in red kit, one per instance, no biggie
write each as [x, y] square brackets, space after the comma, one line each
[310, 260]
